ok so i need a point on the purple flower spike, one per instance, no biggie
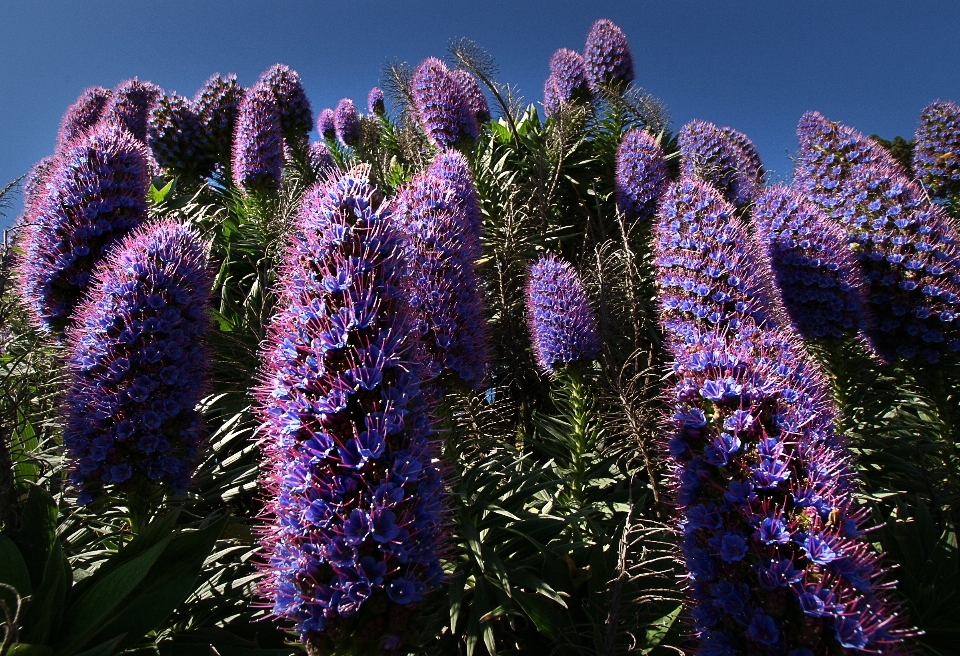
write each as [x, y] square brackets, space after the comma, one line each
[258, 142]
[711, 154]
[907, 248]
[476, 101]
[95, 193]
[607, 56]
[563, 327]
[34, 186]
[815, 271]
[551, 97]
[641, 175]
[441, 105]
[326, 124]
[441, 243]
[346, 123]
[174, 136]
[936, 157]
[130, 105]
[375, 102]
[354, 492]
[138, 366]
[82, 115]
[569, 74]
[217, 104]
[320, 157]
[752, 165]
[296, 117]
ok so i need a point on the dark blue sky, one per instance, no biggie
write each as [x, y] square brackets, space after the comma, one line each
[755, 65]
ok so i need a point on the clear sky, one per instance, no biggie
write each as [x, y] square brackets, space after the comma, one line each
[755, 65]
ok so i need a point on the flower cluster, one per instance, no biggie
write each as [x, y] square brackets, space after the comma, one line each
[707, 269]
[752, 165]
[296, 117]
[936, 156]
[95, 193]
[713, 155]
[641, 175]
[441, 242]
[257, 161]
[346, 123]
[441, 105]
[354, 488]
[473, 96]
[34, 187]
[606, 55]
[320, 156]
[82, 115]
[217, 103]
[130, 105]
[815, 271]
[567, 81]
[375, 102]
[326, 125]
[907, 248]
[174, 136]
[138, 366]
[563, 327]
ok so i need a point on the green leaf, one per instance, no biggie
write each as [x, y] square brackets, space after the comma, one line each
[658, 631]
[156, 195]
[103, 649]
[45, 608]
[30, 650]
[13, 570]
[544, 615]
[23, 444]
[38, 531]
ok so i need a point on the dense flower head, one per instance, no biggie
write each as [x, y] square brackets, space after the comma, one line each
[375, 103]
[551, 97]
[713, 155]
[707, 269]
[473, 96]
[569, 73]
[815, 270]
[296, 117]
[441, 242]
[320, 156]
[175, 137]
[257, 141]
[82, 115]
[354, 488]
[752, 165]
[563, 327]
[936, 156]
[346, 122]
[907, 248]
[607, 55]
[34, 186]
[217, 104]
[641, 175]
[95, 192]
[138, 366]
[326, 125]
[441, 106]
[130, 105]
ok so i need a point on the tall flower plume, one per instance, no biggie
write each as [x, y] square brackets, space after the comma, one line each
[641, 175]
[814, 269]
[441, 241]
[258, 142]
[319, 155]
[346, 122]
[138, 366]
[130, 105]
[217, 104]
[563, 327]
[713, 155]
[296, 117]
[95, 193]
[752, 165]
[354, 490]
[907, 249]
[473, 96]
[174, 136]
[569, 73]
[82, 115]
[375, 101]
[326, 125]
[551, 97]
[441, 105]
[607, 55]
[34, 187]
[936, 157]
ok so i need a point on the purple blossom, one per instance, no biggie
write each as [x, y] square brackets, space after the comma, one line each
[94, 193]
[375, 102]
[454, 169]
[326, 125]
[346, 123]
[138, 366]
[34, 187]
[441, 106]
[217, 104]
[641, 175]
[816, 273]
[607, 56]
[569, 74]
[936, 155]
[82, 115]
[130, 105]
[296, 117]
[174, 135]
[563, 327]
[714, 156]
[257, 160]
[473, 96]
[752, 165]
[354, 494]
[320, 156]
[551, 97]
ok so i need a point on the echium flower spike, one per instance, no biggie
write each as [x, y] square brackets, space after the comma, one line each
[441, 243]
[346, 123]
[375, 103]
[174, 136]
[296, 117]
[441, 106]
[551, 97]
[711, 154]
[816, 273]
[353, 489]
[138, 366]
[569, 74]
[257, 142]
[753, 166]
[936, 156]
[217, 103]
[907, 248]
[607, 55]
[473, 96]
[82, 115]
[34, 187]
[641, 175]
[95, 193]
[320, 156]
[326, 124]
[130, 105]
[563, 327]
